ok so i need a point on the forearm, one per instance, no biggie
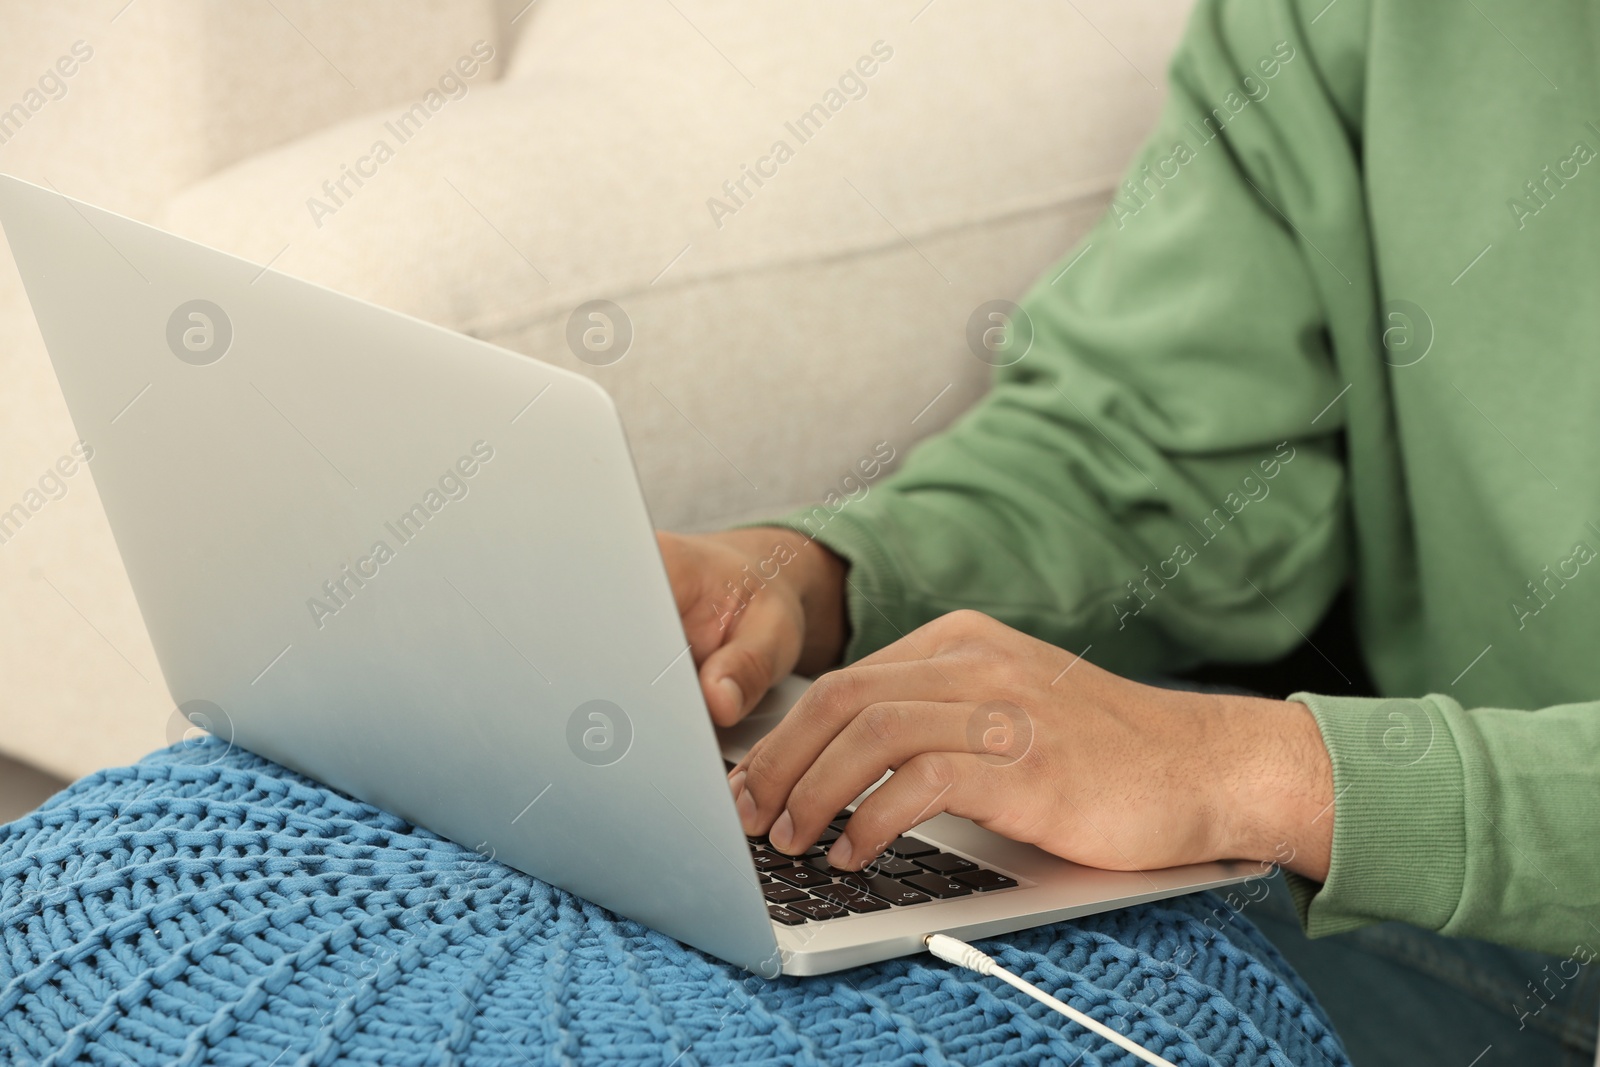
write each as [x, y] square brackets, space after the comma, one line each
[1040, 537]
[1475, 823]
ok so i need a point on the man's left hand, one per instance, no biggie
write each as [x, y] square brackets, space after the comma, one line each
[981, 721]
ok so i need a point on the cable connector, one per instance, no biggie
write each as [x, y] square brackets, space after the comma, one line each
[953, 950]
[960, 953]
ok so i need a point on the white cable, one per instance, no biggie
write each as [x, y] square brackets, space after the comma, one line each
[962, 954]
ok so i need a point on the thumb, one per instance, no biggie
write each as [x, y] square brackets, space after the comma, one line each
[762, 646]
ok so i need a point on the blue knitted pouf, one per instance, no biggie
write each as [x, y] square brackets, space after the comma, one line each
[184, 911]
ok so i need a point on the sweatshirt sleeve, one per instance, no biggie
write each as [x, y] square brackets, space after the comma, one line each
[1156, 471]
[1473, 822]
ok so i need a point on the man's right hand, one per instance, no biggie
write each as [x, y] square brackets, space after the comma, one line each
[757, 604]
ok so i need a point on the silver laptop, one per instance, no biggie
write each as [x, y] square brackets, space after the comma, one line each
[419, 569]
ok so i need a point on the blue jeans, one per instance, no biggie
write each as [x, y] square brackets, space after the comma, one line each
[1401, 995]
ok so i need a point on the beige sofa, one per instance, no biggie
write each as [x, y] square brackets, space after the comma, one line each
[791, 308]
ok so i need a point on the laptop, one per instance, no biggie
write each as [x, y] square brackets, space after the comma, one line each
[419, 569]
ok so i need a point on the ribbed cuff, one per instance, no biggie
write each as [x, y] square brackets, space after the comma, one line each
[1399, 829]
[873, 589]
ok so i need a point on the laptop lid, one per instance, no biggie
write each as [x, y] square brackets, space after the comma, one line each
[407, 563]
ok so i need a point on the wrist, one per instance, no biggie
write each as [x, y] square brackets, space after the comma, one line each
[820, 574]
[1275, 802]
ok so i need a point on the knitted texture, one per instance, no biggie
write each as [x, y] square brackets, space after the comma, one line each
[194, 909]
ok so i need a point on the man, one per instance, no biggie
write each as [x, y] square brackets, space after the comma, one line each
[1337, 328]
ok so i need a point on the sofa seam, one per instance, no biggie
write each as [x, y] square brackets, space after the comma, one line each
[934, 231]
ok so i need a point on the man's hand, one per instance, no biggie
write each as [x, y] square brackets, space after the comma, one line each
[1037, 745]
[756, 604]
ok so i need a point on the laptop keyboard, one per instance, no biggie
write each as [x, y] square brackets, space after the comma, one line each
[807, 888]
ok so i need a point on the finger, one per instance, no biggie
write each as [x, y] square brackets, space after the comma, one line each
[882, 738]
[923, 787]
[777, 761]
[762, 645]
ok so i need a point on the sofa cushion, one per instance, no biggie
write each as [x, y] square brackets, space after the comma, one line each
[919, 161]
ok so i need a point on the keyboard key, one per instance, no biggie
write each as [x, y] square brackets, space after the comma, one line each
[767, 860]
[886, 888]
[763, 878]
[936, 885]
[984, 880]
[815, 852]
[910, 848]
[784, 915]
[843, 817]
[893, 866]
[851, 897]
[782, 894]
[818, 909]
[944, 863]
[801, 877]
[828, 837]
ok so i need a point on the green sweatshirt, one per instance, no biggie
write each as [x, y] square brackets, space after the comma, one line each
[1338, 326]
